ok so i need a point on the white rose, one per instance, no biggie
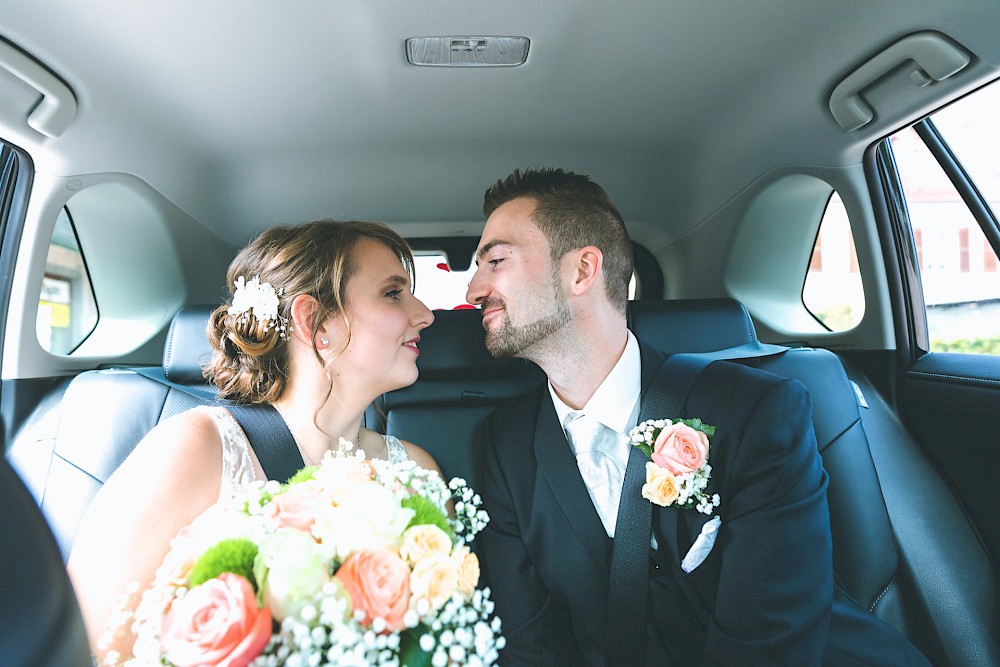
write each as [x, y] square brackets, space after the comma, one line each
[368, 517]
[291, 569]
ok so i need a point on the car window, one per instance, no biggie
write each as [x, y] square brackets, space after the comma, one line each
[67, 309]
[437, 285]
[958, 265]
[833, 291]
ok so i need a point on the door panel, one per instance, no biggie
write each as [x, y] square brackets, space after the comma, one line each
[949, 353]
[952, 402]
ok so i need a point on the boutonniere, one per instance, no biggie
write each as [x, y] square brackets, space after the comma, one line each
[679, 471]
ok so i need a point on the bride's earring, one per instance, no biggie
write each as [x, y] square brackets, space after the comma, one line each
[324, 342]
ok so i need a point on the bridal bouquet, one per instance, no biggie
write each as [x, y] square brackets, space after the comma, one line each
[352, 562]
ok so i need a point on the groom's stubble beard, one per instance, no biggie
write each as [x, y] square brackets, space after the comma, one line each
[510, 340]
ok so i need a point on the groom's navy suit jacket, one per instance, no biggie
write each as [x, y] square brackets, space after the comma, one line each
[764, 595]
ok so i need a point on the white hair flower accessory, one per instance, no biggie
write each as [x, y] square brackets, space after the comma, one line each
[261, 299]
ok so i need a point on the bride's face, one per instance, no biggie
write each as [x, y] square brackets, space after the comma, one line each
[386, 320]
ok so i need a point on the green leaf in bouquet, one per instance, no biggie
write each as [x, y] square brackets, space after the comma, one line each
[410, 653]
[426, 512]
[645, 449]
[234, 555]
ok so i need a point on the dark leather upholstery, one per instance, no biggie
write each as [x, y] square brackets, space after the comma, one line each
[460, 384]
[187, 349]
[692, 325]
[39, 616]
[105, 413]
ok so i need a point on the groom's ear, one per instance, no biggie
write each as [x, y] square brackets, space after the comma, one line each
[587, 264]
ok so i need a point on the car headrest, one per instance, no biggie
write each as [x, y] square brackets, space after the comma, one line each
[456, 343]
[692, 325]
[187, 347]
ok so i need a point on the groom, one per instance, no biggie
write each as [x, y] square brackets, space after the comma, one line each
[554, 265]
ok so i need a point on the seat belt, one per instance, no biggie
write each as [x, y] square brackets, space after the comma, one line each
[628, 584]
[270, 438]
[266, 431]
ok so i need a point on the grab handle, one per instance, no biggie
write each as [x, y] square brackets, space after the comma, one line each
[57, 108]
[934, 57]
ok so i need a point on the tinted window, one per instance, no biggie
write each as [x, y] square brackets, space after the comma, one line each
[67, 310]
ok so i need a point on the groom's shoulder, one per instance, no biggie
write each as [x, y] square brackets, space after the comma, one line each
[741, 383]
[743, 373]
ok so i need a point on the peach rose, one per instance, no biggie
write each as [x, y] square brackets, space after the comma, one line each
[216, 624]
[468, 569]
[660, 487]
[378, 582]
[422, 541]
[680, 449]
[434, 579]
[296, 507]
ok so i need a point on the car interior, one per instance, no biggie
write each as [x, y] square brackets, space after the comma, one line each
[810, 189]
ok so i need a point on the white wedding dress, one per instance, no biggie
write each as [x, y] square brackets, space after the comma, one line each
[237, 464]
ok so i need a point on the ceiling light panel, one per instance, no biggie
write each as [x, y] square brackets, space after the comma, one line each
[467, 51]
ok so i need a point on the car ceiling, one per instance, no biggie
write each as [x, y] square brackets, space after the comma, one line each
[248, 114]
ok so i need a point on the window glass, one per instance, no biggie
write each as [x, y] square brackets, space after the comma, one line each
[440, 288]
[958, 267]
[67, 311]
[437, 285]
[833, 292]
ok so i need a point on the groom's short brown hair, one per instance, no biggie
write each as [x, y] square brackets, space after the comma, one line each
[573, 212]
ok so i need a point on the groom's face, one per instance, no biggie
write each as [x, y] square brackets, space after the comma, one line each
[516, 283]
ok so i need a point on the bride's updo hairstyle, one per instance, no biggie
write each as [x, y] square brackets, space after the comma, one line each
[250, 361]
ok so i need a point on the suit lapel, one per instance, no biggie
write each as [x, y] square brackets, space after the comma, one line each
[651, 360]
[558, 467]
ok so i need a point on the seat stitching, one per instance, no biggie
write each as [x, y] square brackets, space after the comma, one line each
[878, 598]
[964, 378]
[169, 356]
[76, 467]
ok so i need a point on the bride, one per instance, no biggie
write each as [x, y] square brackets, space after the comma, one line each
[322, 322]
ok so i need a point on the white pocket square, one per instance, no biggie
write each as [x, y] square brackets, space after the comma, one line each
[702, 546]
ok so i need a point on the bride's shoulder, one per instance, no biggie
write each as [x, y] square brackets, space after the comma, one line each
[420, 456]
[181, 452]
[193, 432]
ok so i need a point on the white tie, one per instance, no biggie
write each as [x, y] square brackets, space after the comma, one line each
[592, 441]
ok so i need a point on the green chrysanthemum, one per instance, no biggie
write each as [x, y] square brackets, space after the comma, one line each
[426, 512]
[234, 555]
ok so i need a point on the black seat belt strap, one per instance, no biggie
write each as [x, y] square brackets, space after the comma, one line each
[270, 438]
[628, 585]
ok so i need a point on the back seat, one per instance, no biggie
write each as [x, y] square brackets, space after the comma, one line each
[459, 385]
[105, 413]
[943, 601]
